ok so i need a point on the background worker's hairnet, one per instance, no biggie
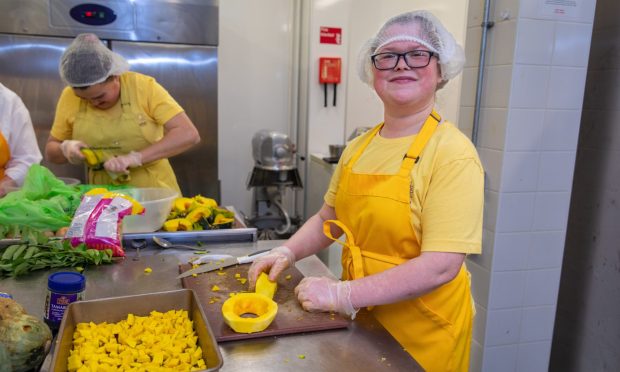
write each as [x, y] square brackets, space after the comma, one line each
[419, 26]
[86, 61]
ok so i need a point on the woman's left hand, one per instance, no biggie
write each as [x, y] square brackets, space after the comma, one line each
[122, 163]
[325, 294]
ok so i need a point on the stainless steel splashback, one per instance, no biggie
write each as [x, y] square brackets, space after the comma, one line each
[175, 41]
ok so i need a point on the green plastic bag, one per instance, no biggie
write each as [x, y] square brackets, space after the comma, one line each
[44, 202]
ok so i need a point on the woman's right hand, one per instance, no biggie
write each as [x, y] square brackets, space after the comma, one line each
[71, 150]
[274, 263]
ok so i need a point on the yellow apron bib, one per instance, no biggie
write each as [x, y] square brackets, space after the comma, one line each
[5, 154]
[132, 130]
[374, 213]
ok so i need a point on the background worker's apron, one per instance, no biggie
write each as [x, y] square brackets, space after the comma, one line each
[5, 154]
[374, 212]
[133, 130]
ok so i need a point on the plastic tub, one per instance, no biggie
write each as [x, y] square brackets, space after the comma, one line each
[157, 203]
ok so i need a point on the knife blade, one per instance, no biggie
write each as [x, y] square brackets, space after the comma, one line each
[219, 264]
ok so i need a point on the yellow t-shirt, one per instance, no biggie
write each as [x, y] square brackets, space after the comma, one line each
[152, 99]
[448, 186]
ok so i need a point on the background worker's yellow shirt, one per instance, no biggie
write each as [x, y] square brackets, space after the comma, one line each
[153, 100]
[448, 186]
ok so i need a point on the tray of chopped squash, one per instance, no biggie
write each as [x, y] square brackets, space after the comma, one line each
[155, 331]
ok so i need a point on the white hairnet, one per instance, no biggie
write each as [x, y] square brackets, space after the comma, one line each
[87, 61]
[419, 26]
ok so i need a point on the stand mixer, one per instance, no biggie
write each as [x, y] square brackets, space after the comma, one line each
[274, 171]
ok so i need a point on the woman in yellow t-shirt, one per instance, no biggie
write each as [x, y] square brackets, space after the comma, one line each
[408, 196]
[129, 122]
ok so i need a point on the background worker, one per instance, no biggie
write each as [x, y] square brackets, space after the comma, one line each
[130, 120]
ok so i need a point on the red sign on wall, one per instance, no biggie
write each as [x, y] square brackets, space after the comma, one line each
[331, 35]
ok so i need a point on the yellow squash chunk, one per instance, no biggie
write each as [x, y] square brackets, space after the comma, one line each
[205, 202]
[198, 213]
[265, 286]
[93, 159]
[182, 205]
[178, 224]
[257, 304]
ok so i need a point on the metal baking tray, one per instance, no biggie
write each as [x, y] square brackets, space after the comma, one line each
[115, 309]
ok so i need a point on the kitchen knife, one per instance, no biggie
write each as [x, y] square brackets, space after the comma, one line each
[215, 265]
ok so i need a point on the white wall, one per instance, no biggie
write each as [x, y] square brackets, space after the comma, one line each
[254, 83]
[529, 124]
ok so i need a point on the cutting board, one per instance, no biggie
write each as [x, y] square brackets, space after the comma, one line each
[291, 318]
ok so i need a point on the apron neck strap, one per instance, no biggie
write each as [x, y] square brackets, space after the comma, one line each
[413, 154]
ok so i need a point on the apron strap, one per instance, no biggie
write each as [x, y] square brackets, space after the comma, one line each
[413, 154]
[356, 253]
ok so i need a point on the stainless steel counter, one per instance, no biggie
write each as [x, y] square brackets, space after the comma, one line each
[364, 346]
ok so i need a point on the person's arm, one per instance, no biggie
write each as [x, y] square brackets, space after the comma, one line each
[53, 153]
[308, 240]
[22, 142]
[179, 135]
[412, 279]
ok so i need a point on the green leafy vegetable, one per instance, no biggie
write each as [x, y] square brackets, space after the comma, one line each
[43, 253]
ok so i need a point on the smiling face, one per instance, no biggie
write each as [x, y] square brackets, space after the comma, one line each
[102, 95]
[405, 86]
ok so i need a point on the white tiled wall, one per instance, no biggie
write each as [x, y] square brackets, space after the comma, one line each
[529, 124]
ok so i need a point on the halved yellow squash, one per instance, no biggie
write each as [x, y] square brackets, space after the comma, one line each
[262, 309]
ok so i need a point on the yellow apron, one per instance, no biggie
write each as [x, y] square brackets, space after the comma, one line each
[5, 154]
[374, 213]
[132, 130]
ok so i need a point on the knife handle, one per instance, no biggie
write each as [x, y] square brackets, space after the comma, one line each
[252, 256]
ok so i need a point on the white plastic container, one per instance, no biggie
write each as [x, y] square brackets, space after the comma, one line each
[157, 203]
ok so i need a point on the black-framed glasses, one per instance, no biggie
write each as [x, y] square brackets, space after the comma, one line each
[413, 59]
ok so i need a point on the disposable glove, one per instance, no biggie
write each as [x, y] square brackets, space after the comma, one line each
[325, 294]
[121, 164]
[71, 150]
[278, 260]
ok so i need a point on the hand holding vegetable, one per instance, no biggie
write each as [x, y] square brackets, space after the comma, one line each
[71, 150]
[325, 294]
[122, 163]
[274, 263]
